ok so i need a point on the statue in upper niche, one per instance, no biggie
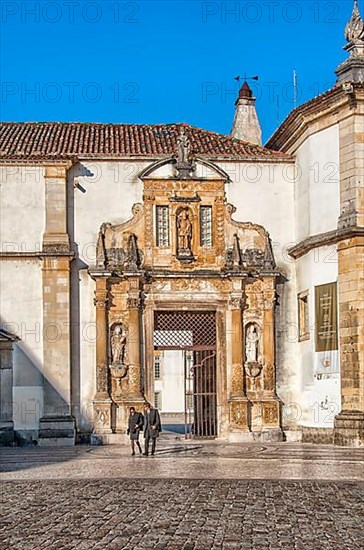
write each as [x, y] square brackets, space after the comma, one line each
[251, 344]
[118, 344]
[184, 231]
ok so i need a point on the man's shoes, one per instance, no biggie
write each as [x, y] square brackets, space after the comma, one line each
[133, 453]
[145, 454]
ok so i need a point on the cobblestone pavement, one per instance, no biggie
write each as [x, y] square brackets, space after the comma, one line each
[181, 514]
[186, 460]
[188, 497]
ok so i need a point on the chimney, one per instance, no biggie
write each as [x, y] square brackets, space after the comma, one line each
[246, 123]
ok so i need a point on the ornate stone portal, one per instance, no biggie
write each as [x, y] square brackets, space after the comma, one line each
[183, 251]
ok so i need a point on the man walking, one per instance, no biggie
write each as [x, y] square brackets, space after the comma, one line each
[152, 427]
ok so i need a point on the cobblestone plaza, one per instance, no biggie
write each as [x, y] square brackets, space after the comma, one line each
[189, 496]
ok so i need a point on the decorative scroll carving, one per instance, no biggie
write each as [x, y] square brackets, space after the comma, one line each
[117, 246]
[250, 245]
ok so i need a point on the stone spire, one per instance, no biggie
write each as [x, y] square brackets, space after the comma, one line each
[352, 70]
[246, 123]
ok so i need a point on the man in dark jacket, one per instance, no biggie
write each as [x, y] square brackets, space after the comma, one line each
[152, 427]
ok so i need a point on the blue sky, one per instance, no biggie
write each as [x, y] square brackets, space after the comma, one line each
[165, 61]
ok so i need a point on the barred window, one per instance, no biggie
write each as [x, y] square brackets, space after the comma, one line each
[157, 366]
[162, 225]
[206, 226]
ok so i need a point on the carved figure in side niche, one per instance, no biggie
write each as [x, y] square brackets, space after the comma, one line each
[252, 344]
[118, 344]
[184, 231]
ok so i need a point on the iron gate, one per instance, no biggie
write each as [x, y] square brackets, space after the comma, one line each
[195, 334]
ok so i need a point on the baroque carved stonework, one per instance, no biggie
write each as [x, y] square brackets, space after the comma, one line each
[238, 414]
[270, 413]
[182, 250]
[133, 303]
[102, 382]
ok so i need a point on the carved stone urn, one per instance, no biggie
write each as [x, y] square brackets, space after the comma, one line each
[253, 370]
[118, 372]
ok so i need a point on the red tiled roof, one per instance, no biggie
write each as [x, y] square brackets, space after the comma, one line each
[63, 140]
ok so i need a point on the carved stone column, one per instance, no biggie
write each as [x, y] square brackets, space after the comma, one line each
[238, 402]
[270, 406]
[102, 401]
[134, 343]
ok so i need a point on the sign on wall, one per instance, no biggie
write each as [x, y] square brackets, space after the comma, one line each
[326, 333]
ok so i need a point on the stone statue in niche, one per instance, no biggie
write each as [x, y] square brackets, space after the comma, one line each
[252, 344]
[183, 147]
[185, 165]
[184, 233]
[118, 345]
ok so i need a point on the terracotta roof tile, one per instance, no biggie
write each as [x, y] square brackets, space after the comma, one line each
[62, 140]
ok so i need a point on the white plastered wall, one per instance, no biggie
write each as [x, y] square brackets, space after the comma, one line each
[22, 218]
[317, 189]
[264, 194]
[317, 208]
[105, 192]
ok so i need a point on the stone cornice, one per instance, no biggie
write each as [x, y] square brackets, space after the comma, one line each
[35, 255]
[333, 103]
[39, 162]
[322, 239]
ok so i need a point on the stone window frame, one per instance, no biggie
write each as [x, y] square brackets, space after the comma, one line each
[303, 304]
[162, 226]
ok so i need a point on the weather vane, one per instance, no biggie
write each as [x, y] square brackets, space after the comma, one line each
[238, 78]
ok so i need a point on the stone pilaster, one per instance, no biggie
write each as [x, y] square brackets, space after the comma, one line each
[349, 424]
[56, 427]
[55, 238]
[102, 401]
[238, 402]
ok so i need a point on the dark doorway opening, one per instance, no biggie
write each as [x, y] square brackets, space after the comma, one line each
[192, 338]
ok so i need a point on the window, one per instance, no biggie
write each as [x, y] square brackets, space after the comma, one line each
[206, 226]
[303, 317]
[158, 400]
[162, 225]
[157, 366]
[326, 317]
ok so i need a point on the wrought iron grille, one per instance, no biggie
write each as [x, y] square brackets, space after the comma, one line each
[185, 330]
